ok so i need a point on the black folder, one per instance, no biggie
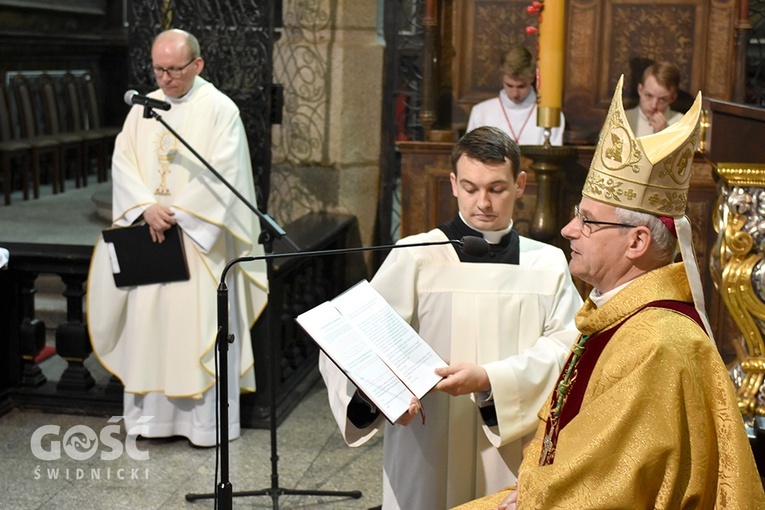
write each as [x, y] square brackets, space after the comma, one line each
[141, 261]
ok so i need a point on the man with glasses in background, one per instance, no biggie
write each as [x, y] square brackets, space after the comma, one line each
[159, 339]
[644, 414]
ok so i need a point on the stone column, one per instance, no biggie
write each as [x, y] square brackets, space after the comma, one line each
[326, 152]
[355, 99]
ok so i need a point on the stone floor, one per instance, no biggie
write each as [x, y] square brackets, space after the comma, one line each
[65, 218]
[312, 454]
[159, 473]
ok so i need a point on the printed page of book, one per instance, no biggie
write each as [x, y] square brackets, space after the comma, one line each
[347, 347]
[391, 337]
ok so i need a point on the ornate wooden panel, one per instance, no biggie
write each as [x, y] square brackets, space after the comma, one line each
[717, 72]
[483, 30]
[637, 34]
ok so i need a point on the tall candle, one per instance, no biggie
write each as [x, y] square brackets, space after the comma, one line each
[552, 30]
[743, 13]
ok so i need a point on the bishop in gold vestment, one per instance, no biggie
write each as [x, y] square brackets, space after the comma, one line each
[644, 414]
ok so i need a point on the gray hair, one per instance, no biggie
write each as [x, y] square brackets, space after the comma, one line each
[665, 242]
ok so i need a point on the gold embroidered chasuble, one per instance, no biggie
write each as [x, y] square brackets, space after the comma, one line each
[659, 425]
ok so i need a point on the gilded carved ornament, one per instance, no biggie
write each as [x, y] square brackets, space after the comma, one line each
[738, 271]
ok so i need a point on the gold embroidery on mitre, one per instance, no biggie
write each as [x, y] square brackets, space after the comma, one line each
[669, 203]
[609, 189]
[617, 149]
[638, 173]
[615, 152]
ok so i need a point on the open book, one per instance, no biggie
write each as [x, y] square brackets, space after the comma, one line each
[374, 347]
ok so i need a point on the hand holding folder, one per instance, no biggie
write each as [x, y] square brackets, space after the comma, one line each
[137, 260]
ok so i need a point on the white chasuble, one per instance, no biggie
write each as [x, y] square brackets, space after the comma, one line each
[159, 339]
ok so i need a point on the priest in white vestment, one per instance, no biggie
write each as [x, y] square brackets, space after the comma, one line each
[504, 321]
[514, 110]
[160, 339]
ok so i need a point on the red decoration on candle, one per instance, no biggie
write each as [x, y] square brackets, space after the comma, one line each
[531, 30]
[534, 8]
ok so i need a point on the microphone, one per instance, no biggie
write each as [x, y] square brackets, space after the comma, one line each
[133, 97]
[474, 246]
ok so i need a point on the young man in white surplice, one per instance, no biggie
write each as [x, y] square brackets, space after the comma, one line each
[514, 110]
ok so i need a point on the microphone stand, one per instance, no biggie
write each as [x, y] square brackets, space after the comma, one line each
[224, 490]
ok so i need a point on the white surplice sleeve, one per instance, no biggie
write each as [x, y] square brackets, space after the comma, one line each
[521, 383]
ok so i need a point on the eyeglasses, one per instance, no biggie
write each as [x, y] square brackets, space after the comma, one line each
[172, 72]
[586, 228]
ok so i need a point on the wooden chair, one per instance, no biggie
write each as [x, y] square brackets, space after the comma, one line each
[42, 146]
[12, 150]
[71, 143]
[94, 140]
[93, 109]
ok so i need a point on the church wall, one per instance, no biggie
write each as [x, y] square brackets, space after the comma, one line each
[326, 150]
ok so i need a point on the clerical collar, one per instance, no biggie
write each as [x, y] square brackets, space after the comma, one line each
[601, 298]
[198, 81]
[505, 251]
[491, 236]
[528, 102]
